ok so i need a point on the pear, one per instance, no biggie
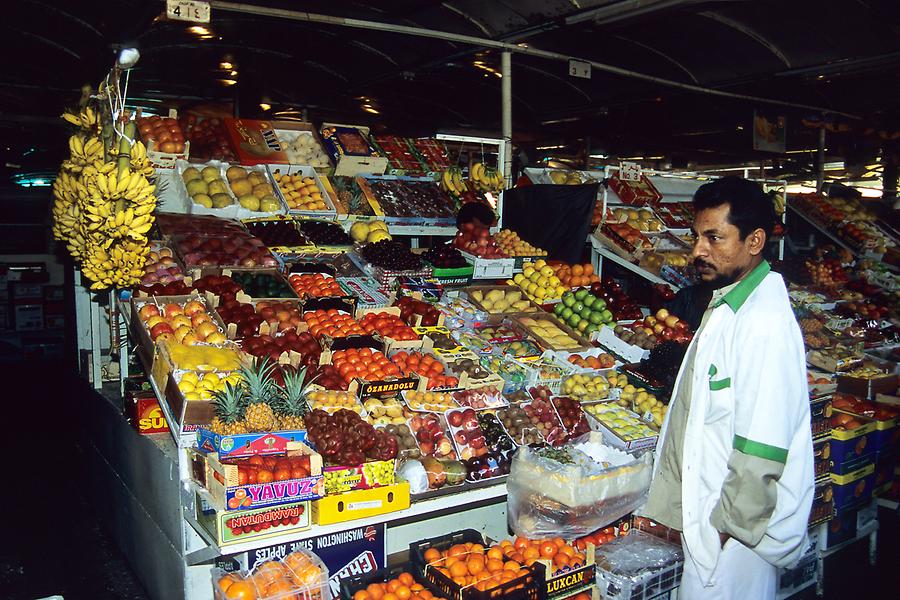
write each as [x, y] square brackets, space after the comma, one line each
[210, 173]
[221, 200]
[217, 187]
[269, 204]
[235, 173]
[241, 187]
[261, 190]
[197, 186]
[250, 202]
[190, 174]
[256, 178]
[203, 200]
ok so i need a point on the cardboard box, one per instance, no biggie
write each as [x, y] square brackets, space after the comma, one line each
[247, 444]
[842, 528]
[490, 268]
[360, 504]
[822, 457]
[627, 352]
[341, 479]
[223, 483]
[304, 171]
[146, 415]
[853, 489]
[28, 317]
[54, 293]
[234, 527]
[805, 574]
[848, 444]
[820, 416]
[867, 388]
[347, 161]
[583, 343]
[54, 322]
[498, 317]
[886, 435]
[823, 502]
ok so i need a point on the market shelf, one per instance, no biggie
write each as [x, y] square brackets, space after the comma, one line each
[417, 510]
[603, 251]
[820, 228]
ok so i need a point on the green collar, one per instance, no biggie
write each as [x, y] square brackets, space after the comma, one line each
[737, 296]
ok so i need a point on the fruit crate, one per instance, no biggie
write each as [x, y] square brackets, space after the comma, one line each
[226, 212]
[822, 456]
[350, 150]
[239, 526]
[526, 587]
[636, 193]
[311, 571]
[305, 171]
[458, 277]
[356, 583]
[361, 504]
[646, 583]
[820, 417]
[490, 268]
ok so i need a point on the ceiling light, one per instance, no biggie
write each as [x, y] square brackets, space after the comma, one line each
[199, 30]
[234, 73]
[228, 81]
[553, 121]
[550, 147]
[265, 106]
[804, 151]
[598, 156]
[834, 166]
[371, 109]
[225, 65]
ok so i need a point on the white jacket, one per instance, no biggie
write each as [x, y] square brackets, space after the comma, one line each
[749, 394]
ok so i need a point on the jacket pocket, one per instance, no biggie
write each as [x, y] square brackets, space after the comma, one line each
[720, 383]
[720, 407]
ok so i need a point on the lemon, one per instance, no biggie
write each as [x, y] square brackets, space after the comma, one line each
[377, 236]
[360, 231]
[190, 377]
[186, 386]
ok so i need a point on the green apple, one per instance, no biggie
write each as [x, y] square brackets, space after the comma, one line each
[583, 325]
[585, 313]
[589, 300]
[568, 299]
[557, 310]
[574, 320]
[592, 328]
[607, 316]
[578, 307]
[596, 318]
[581, 293]
[566, 313]
[599, 304]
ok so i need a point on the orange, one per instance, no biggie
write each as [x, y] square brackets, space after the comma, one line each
[403, 592]
[548, 549]
[559, 542]
[531, 552]
[461, 581]
[448, 562]
[407, 579]
[390, 596]
[530, 561]
[495, 552]
[521, 543]
[567, 550]
[507, 576]
[432, 555]
[477, 549]
[561, 560]
[375, 590]
[517, 556]
[512, 566]
[475, 564]
[457, 550]
[393, 584]
[493, 565]
[459, 569]
[578, 558]
[361, 595]
[425, 594]
[240, 590]
[505, 544]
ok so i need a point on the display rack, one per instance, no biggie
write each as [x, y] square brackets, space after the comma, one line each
[818, 227]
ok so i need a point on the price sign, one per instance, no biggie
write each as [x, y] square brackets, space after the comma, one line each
[193, 11]
[629, 171]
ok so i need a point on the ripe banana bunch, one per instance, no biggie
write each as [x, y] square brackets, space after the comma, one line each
[121, 265]
[102, 210]
[486, 179]
[779, 203]
[87, 119]
[83, 152]
[452, 181]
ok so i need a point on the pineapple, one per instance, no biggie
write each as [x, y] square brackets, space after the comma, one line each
[229, 405]
[292, 405]
[261, 394]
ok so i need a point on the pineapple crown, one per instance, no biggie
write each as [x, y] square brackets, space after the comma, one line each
[258, 382]
[294, 391]
[230, 403]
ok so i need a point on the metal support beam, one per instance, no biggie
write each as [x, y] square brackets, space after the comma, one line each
[820, 162]
[308, 17]
[506, 129]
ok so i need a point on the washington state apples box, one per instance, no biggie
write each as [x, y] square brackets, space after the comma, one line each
[368, 292]
[360, 504]
[235, 527]
[222, 482]
[247, 444]
[340, 479]
[853, 489]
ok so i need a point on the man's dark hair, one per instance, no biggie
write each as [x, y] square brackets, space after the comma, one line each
[749, 207]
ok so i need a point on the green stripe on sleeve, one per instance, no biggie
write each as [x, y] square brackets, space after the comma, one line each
[759, 449]
[720, 384]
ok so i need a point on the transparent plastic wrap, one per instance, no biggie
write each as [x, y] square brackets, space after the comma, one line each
[574, 490]
[638, 566]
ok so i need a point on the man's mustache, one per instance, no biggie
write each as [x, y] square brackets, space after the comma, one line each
[702, 263]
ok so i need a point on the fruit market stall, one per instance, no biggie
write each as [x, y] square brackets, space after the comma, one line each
[296, 374]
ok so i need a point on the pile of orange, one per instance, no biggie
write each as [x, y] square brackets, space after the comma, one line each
[472, 565]
[426, 365]
[294, 577]
[597, 538]
[388, 325]
[332, 323]
[315, 285]
[364, 363]
[403, 587]
[575, 275]
[555, 550]
[603, 361]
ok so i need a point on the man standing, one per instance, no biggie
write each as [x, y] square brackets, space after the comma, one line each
[734, 470]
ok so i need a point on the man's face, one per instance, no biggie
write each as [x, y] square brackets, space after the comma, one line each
[720, 255]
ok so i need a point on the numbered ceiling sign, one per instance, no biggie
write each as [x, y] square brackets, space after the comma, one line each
[194, 11]
[629, 171]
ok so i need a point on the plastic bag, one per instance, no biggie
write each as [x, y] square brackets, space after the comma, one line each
[566, 492]
[638, 565]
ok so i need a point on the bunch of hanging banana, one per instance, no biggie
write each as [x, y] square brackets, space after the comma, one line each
[103, 205]
[485, 179]
[88, 119]
[452, 181]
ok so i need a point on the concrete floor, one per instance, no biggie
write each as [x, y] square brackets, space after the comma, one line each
[56, 544]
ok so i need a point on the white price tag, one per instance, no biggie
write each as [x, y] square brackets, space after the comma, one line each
[629, 171]
[194, 11]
